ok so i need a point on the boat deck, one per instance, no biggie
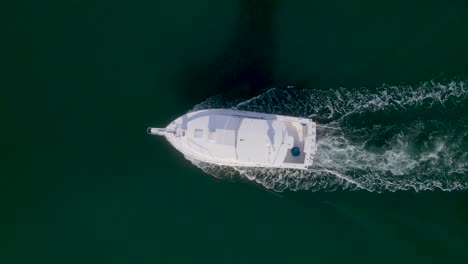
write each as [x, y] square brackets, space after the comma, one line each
[243, 139]
[296, 131]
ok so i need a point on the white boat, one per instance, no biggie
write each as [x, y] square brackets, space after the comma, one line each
[243, 139]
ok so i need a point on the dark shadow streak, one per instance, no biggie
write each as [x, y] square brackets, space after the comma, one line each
[245, 67]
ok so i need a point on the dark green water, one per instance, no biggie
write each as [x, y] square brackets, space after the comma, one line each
[81, 182]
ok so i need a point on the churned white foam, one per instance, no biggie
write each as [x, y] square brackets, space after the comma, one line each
[388, 139]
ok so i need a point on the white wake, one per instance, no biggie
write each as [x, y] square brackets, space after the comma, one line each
[388, 139]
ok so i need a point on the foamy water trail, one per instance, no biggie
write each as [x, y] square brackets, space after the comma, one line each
[388, 139]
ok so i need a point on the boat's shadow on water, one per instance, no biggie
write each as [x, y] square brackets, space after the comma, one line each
[244, 68]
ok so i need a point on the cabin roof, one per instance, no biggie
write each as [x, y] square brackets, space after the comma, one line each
[249, 140]
[258, 140]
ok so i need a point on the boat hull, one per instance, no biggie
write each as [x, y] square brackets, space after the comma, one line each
[237, 138]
